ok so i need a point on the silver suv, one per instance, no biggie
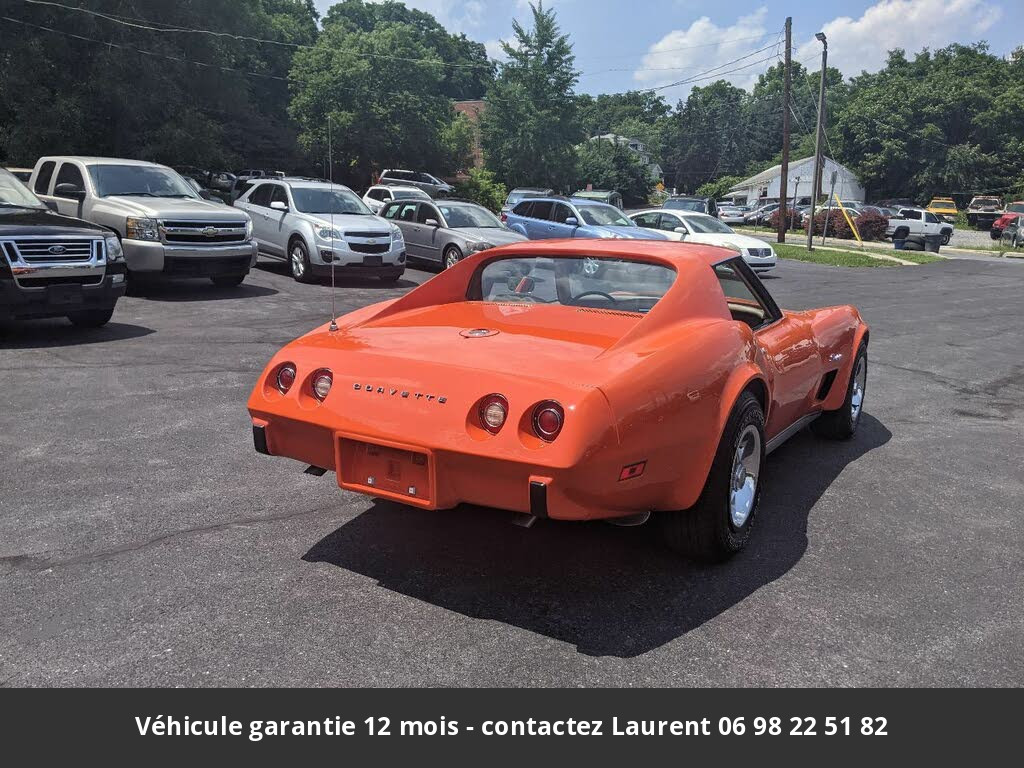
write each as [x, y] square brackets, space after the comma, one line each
[166, 228]
[314, 224]
[432, 185]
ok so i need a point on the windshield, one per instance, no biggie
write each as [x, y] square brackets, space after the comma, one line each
[576, 281]
[327, 200]
[14, 194]
[460, 216]
[686, 205]
[142, 180]
[1015, 208]
[707, 225]
[409, 194]
[515, 197]
[986, 201]
[603, 216]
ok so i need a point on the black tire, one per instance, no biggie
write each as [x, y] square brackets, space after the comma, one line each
[305, 273]
[900, 233]
[93, 318]
[946, 236]
[452, 256]
[995, 234]
[227, 281]
[389, 278]
[706, 531]
[841, 424]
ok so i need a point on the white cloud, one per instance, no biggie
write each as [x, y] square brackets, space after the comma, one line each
[855, 45]
[704, 46]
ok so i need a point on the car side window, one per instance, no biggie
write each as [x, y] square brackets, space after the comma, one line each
[407, 212]
[69, 174]
[427, 212]
[541, 209]
[647, 220]
[931, 218]
[260, 196]
[390, 210]
[745, 303]
[42, 186]
[911, 214]
[524, 208]
[669, 223]
[278, 194]
[560, 212]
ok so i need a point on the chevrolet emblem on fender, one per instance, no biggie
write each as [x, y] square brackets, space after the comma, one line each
[393, 392]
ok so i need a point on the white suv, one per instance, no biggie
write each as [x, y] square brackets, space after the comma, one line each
[379, 195]
[314, 224]
[429, 183]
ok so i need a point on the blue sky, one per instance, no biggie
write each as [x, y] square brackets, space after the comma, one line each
[624, 45]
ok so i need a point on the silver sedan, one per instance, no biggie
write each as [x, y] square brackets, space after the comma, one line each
[447, 231]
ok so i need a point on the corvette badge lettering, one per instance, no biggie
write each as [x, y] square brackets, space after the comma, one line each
[392, 392]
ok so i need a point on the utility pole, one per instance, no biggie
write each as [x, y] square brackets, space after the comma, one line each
[784, 179]
[817, 139]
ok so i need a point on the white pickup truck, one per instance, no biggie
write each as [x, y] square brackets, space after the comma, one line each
[166, 229]
[917, 221]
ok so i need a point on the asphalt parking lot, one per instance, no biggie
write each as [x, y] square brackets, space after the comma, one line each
[144, 542]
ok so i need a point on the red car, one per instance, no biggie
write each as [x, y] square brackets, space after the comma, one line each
[1013, 210]
[575, 380]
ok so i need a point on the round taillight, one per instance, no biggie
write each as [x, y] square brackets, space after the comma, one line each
[493, 412]
[285, 377]
[321, 383]
[547, 420]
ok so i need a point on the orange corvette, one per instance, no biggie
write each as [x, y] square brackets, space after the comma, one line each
[576, 380]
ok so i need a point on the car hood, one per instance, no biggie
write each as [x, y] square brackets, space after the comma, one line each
[491, 235]
[348, 223]
[627, 233]
[174, 208]
[39, 221]
[739, 241]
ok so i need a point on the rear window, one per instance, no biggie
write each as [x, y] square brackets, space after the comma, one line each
[686, 205]
[579, 281]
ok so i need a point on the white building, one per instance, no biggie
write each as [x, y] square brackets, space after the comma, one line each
[634, 146]
[764, 187]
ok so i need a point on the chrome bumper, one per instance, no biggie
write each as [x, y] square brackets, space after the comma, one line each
[149, 256]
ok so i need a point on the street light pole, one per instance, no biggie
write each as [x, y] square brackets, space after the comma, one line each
[816, 179]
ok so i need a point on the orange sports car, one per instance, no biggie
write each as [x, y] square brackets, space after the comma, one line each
[576, 380]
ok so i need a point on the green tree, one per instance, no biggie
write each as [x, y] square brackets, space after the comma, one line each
[612, 166]
[531, 123]
[481, 187]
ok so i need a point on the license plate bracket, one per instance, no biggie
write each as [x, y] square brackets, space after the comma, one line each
[64, 294]
[373, 261]
[388, 470]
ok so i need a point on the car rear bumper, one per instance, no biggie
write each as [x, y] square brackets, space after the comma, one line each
[62, 298]
[189, 261]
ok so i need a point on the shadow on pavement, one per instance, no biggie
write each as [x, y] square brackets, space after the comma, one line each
[200, 289]
[608, 591]
[58, 332]
[281, 268]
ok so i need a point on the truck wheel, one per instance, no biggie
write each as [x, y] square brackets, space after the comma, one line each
[298, 261]
[93, 318]
[719, 524]
[946, 235]
[900, 233]
[227, 281]
[841, 424]
[995, 234]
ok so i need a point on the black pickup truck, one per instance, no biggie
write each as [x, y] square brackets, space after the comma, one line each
[53, 265]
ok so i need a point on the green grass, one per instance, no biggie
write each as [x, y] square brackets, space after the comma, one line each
[833, 258]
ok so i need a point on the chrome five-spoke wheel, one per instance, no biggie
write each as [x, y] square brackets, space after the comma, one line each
[746, 469]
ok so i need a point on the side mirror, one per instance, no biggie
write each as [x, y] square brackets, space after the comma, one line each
[70, 191]
[681, 230]
[572, 221]
[432, 223]
[277, 205]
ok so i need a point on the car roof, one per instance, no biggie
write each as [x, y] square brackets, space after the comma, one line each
[304, 183]
[673, 211]
[542, 190]
[89, 160]
[403, 187]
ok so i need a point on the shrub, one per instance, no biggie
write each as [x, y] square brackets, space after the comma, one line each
[481, 188]
[792, 224]
[872, 225]
[837, 225]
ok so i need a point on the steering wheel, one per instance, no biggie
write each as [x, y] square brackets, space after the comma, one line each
[595, 293]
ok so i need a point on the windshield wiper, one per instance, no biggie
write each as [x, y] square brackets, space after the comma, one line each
[129, 194]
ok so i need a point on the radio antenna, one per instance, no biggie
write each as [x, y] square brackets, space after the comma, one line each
[330, 176]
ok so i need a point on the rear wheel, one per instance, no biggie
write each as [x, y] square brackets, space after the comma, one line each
[719, 524]
[93, 318]
[841, 424]
[298, 261]
[946, 235]
[900, 234]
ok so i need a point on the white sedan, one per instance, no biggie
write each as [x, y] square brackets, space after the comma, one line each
[701, 228]
[731, 215]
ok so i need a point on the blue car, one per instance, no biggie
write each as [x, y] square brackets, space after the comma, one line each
[548, 218]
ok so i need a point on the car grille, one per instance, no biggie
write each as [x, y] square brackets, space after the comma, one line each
[760, 253]
[367, 248]
[203, 232]
[49, 250]
[370, 235]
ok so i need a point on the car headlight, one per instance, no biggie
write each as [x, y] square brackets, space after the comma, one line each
[396, 232]
[479, 246]
[248, 229]
[326, 233]
[142, 229]
[114, 250]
